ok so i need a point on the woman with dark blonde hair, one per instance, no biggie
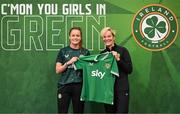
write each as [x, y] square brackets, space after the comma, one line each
[70, 82]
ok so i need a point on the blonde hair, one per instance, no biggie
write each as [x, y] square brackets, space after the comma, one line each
[105, 29]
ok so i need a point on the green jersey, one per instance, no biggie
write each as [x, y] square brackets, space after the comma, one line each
[98, 77]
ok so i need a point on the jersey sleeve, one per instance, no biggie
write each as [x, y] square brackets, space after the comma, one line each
[60, 57]
[114, 68]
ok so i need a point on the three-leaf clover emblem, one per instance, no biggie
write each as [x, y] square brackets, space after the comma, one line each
[154, 27]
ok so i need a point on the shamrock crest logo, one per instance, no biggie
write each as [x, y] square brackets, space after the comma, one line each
[155, 27]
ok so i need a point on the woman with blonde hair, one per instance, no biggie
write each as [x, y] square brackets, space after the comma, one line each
[121, 87]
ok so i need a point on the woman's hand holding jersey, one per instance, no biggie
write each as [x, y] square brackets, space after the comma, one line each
[116, 55]
[71, 61]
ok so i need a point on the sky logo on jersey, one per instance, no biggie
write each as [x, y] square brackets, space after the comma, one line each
[98, 74]
[155, 27]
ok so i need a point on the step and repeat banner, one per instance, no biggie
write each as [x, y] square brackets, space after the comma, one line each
[32, 32]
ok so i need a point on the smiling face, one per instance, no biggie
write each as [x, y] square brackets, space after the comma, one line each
[108, 38]
[75, 37]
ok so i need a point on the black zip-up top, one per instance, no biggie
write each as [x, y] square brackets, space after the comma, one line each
[124, 66]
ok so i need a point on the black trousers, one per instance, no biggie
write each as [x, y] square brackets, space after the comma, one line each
[121, 102]
[67, 93]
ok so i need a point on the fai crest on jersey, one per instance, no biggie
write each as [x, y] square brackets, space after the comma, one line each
[155, 27]
[107, 65]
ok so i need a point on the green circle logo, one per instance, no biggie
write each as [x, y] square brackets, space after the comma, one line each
[155, 27]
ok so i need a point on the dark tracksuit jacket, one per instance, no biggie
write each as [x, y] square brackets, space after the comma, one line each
[121, 88]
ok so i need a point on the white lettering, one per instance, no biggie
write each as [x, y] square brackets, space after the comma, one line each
[98, 73]
[76, 9]
[171, 18]
[160, 10]
[3, 8]
[48, 9]
[40, 6]
[16, 9]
